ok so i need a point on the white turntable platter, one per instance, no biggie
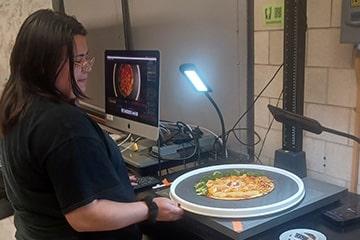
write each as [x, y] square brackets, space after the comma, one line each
[289, 191]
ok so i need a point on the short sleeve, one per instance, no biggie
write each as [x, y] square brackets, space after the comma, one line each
[80, 172]
[82, 163]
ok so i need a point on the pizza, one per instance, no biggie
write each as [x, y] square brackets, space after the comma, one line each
[126, 78]
[234, 185]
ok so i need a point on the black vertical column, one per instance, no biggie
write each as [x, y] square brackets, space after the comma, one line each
[58, 5]
[127, 25]
[250, 82]
[294, 67]
[291, 157]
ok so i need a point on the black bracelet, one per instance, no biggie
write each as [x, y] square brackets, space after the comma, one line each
[153, 209]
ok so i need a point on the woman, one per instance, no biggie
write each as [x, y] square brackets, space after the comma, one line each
[65, 178]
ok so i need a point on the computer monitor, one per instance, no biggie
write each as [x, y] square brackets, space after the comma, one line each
[132, 91]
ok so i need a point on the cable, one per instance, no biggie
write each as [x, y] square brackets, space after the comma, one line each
[201, 128]
[125, 140]
[243, 129]
[184, 132]
[268, 130]
[258, 96]
[253, 103]
[131, 144]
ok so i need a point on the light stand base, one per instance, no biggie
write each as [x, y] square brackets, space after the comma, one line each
[294, 162]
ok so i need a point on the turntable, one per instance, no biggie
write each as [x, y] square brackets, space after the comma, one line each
[241, 219]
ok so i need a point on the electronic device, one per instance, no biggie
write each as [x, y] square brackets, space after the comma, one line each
[145, 182]
[132, 91]
[345, 214]
[350, 22]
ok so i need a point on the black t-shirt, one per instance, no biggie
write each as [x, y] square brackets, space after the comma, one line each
[55, 160]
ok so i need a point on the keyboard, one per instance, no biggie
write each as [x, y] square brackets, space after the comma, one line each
[146, 182]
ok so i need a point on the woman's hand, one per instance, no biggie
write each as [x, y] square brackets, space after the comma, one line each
[169, 210]
[133, 180]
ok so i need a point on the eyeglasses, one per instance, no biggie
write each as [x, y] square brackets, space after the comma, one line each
[86, 65]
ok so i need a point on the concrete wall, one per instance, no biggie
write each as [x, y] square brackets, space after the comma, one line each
[330, 84]
[12, 15]
[330, 90]
[211, 34]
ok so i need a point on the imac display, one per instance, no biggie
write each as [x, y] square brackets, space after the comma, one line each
[132, 89]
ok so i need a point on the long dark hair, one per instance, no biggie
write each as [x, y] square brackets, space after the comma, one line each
[42, 47]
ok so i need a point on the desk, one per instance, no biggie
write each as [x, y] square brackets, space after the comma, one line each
[186, 228]
[315, 220]
[197, 227]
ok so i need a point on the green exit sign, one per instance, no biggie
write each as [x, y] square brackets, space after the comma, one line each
[273, 14]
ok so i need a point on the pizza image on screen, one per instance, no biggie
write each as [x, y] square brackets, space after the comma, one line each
[234, 185]
[126, 79]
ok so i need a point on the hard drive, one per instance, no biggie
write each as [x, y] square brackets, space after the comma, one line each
[346, 214]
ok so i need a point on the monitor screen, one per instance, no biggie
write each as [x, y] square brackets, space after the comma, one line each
[132, 91]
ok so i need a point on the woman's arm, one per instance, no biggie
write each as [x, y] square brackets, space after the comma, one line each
[105, 215]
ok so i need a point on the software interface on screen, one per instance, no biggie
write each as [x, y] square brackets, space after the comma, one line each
[132, 91]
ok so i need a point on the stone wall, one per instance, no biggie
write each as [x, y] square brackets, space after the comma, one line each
[13, 13]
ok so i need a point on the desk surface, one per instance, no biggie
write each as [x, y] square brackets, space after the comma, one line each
[315, 220]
